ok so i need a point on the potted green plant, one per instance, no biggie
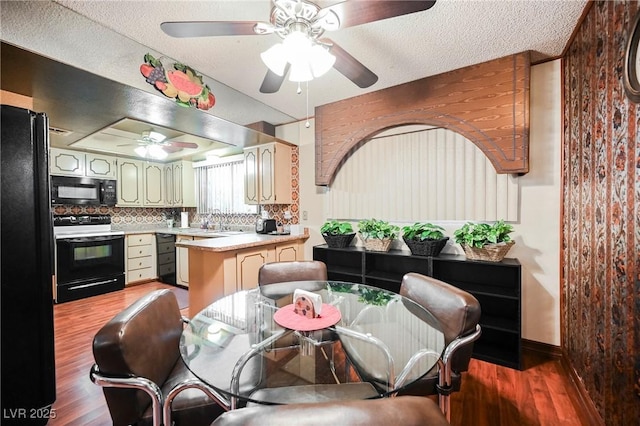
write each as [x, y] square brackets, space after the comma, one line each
[483, 241]
[377, 235]
[424, 239]
[337, 234]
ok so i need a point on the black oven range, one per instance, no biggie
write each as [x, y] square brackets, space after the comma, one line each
[89, 256]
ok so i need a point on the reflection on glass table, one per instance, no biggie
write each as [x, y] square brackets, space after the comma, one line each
[235, 345]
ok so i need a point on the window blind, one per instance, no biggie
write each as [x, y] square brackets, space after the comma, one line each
[221, 187]
[433, 174]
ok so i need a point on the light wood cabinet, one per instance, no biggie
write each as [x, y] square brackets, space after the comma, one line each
[214, 274]
[141, 258]
[101, 166]
[179, 181]
[289, 252]
[268, 174]
[182, 262]
[248, 263]
[64, 162]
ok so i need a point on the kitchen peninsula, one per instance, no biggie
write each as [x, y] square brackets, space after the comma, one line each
[222, 266]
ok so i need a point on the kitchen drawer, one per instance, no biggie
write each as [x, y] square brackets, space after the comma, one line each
[139, 251]
[140, 240]
[167, 269]
[166, 247]
[139, 263]
[167, 258]
[140, 274]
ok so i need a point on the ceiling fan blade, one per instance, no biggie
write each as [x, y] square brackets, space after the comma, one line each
[177, 144]
[272, 81]
[171, 149]
[350, 67]
[207, 28]
[352, 13]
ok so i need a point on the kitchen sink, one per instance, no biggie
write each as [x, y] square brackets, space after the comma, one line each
[211, 233]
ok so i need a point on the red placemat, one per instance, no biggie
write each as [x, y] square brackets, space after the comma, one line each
[285, 317]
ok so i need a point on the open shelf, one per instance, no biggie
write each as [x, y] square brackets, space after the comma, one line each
[496, 285]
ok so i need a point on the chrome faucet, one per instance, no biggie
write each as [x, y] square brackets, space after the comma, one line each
[219, 216]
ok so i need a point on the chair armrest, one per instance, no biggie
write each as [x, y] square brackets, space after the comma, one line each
[188, 384]
[458, 343]
[131, 382]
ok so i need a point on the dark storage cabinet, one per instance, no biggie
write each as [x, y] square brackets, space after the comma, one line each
[166, 246]
[496, 285]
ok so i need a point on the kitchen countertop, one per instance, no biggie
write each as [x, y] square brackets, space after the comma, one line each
[213, 240]
[239, 241]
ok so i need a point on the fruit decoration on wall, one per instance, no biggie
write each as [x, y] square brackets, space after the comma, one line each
[181, 83]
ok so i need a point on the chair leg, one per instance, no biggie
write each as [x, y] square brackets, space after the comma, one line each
[444, 389]
[139, 383]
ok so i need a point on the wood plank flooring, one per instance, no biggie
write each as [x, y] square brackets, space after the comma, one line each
[491, 395]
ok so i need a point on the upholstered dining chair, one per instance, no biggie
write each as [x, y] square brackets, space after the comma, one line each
[137, 362]
[458, 313]
[404, 410]
[297, 270]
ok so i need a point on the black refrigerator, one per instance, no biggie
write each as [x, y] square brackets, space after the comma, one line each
[27, 363]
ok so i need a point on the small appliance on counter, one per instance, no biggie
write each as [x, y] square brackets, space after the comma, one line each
[265, 226]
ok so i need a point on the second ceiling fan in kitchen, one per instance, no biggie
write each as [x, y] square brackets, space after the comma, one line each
[303, 54]
[155, 145]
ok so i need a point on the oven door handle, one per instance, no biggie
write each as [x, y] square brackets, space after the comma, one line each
[92, 239]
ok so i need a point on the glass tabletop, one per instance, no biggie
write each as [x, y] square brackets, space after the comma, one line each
[237, 347]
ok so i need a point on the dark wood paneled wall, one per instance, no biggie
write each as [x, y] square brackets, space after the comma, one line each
[488, 103]
[601, 211]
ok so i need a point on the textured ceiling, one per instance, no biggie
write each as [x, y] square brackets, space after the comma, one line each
[110, 38]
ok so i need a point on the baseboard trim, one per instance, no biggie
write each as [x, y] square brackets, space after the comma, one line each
[580, 395]
[546, 350]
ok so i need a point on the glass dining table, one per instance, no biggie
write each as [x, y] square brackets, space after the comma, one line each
[245, 345]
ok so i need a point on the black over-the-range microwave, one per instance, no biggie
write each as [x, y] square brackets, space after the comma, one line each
[83, 191]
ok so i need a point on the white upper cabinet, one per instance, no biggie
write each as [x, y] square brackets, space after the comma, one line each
[268, 174]
[65, 162]
[140, 183]
[101, 166]
[179, 179]
[154, 192]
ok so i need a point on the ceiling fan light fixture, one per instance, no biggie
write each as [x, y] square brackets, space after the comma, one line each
[321, 60]
[156, 151]
[275, 58]
[297, 45]
[300, 71]
[141, 151]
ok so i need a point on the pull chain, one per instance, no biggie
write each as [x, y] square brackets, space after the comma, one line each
[307, 124]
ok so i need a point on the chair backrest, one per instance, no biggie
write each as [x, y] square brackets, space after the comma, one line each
[402, 410]
[457, 311]
[142, 340]
[302, 270]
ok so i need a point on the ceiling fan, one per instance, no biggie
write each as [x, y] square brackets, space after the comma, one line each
[154, 144]
[296, 18]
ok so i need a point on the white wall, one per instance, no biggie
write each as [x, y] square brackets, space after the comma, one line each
[537, 232]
